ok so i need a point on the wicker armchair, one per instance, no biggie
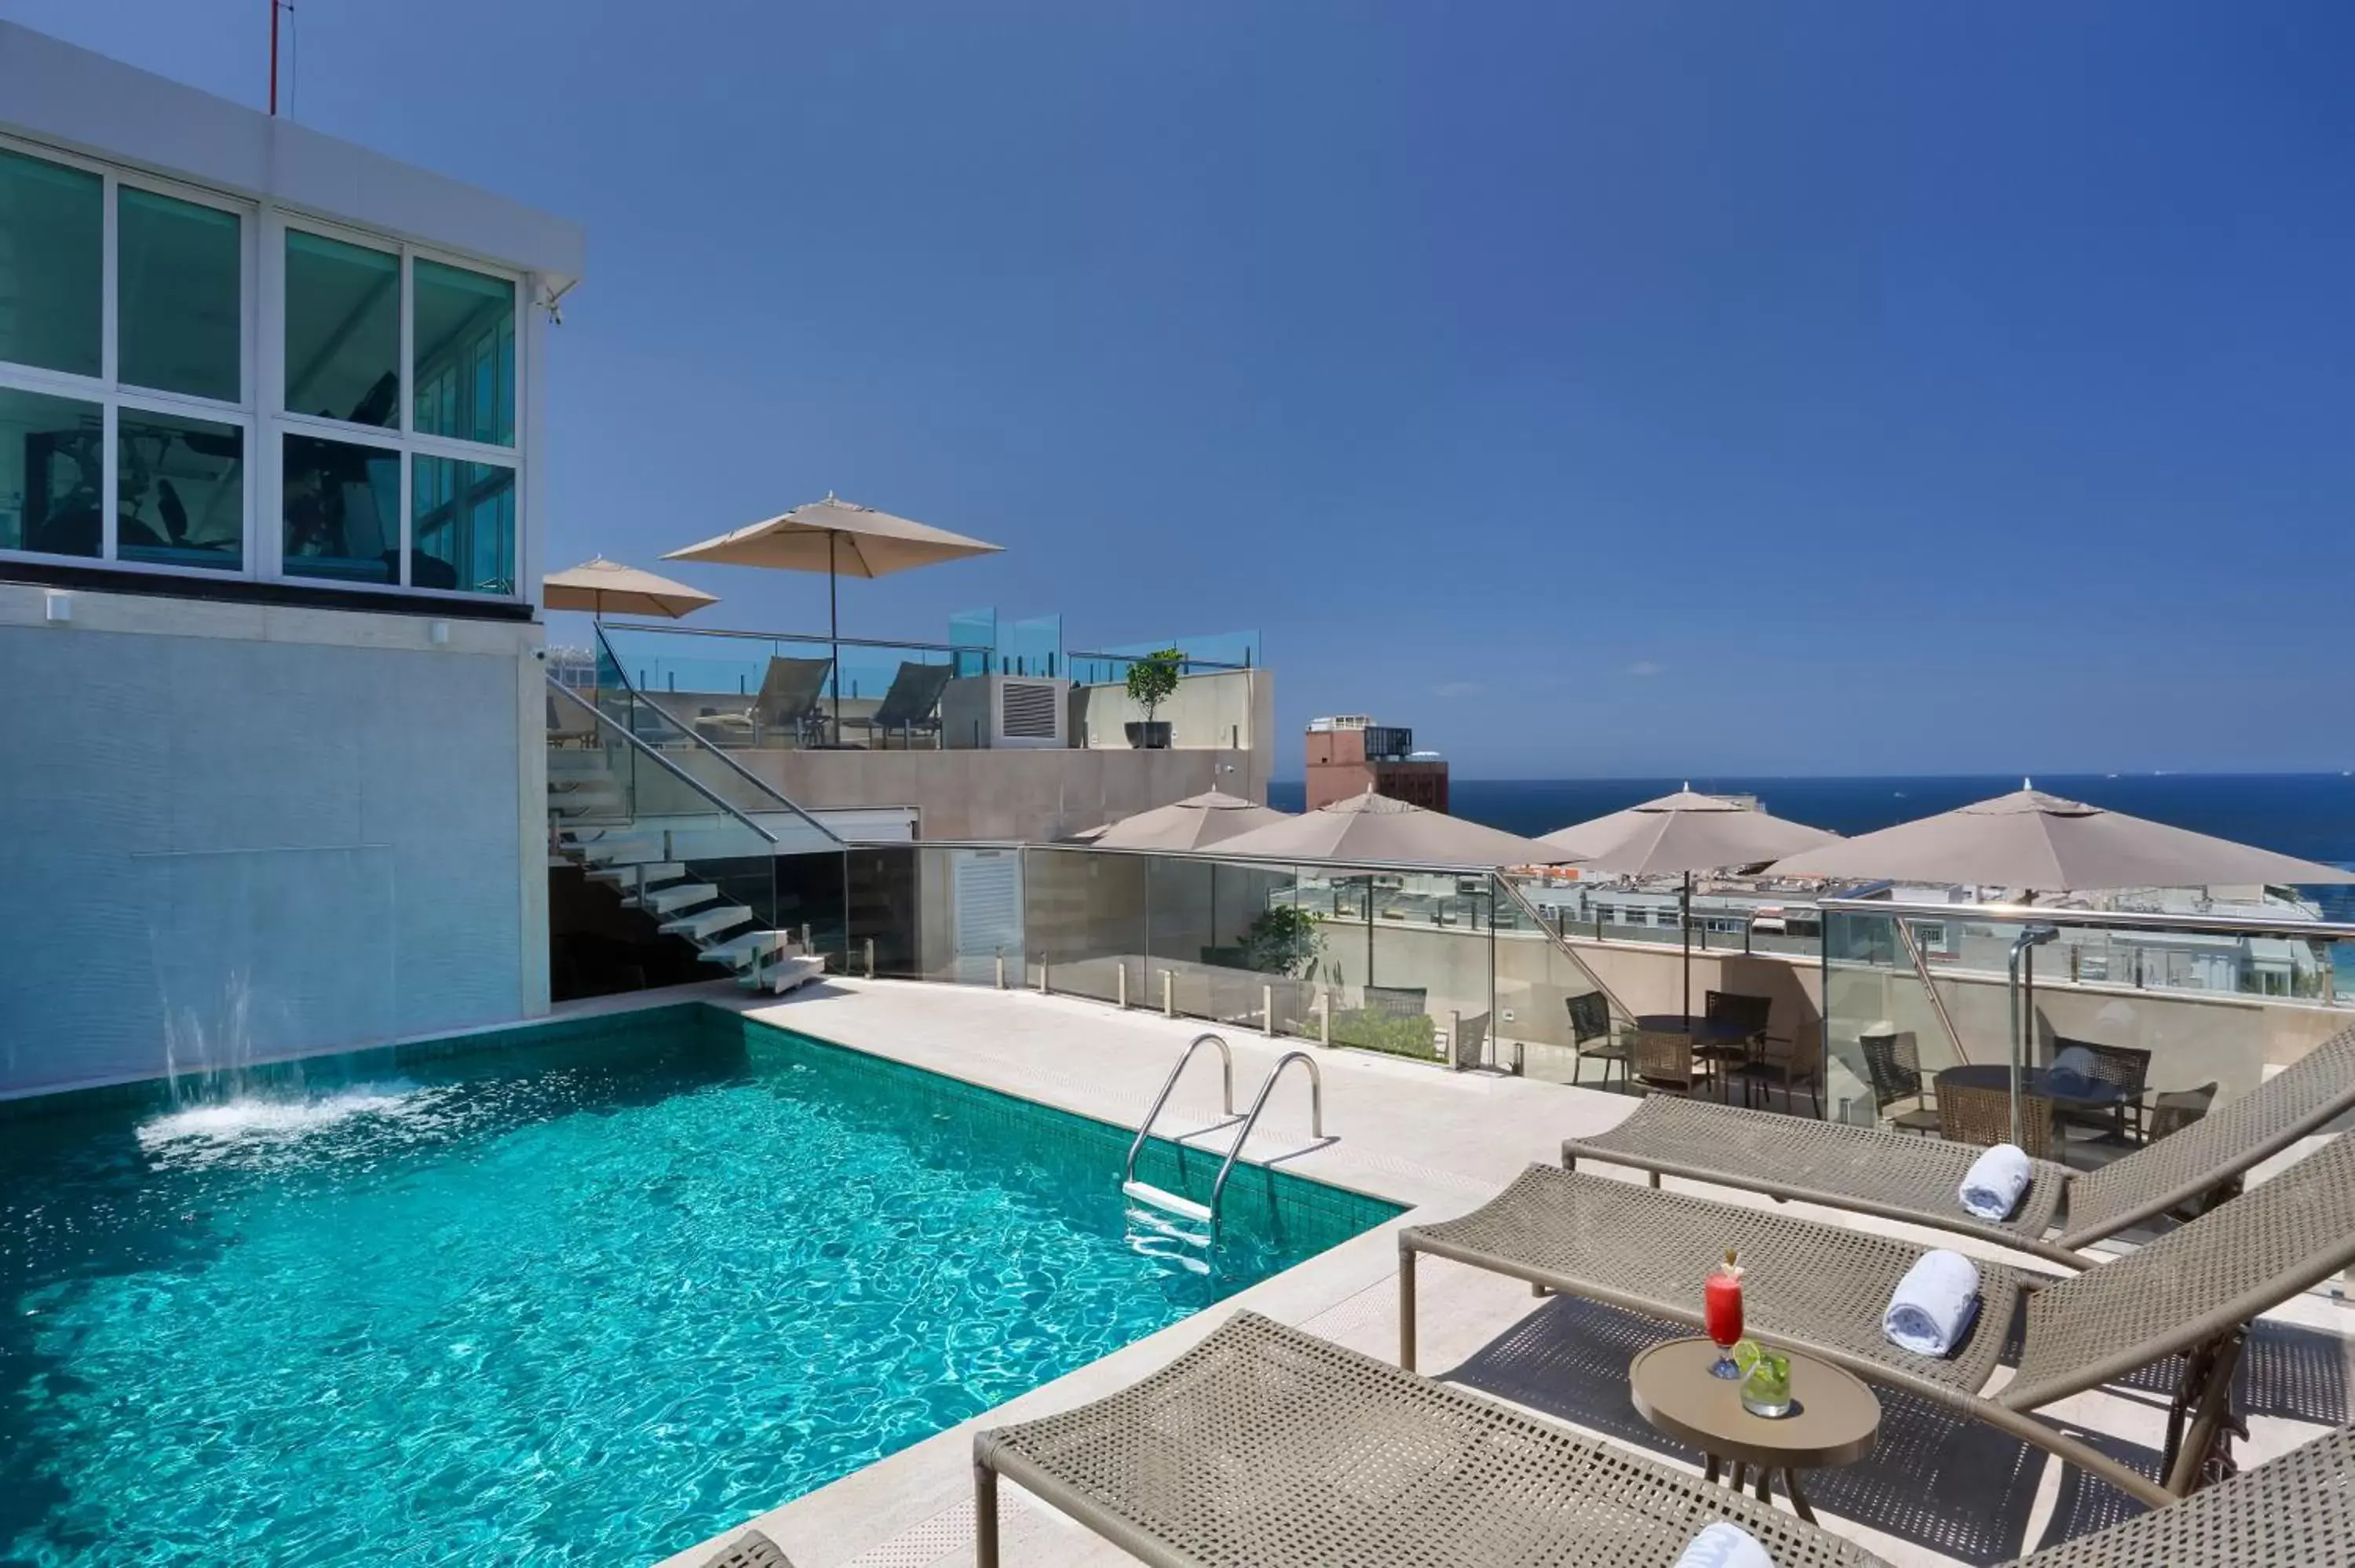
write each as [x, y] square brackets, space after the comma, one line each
[2178, 1108]
[2123, 1067]
[1788, 1064]
[1664, 1061]
[1591, 1034]
[1969, 1113]
[1894, 1066]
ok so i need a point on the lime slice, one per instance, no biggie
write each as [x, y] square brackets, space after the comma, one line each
[1746, 1353]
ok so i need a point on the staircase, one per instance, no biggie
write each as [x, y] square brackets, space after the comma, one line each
[591, 826]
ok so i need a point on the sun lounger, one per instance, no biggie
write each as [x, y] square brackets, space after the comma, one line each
[751, 1550]
[1823, 1288]
[1903, 1177]
[1266, 1448]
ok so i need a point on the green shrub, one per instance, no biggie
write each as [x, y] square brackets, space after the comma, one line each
[1416, 1035]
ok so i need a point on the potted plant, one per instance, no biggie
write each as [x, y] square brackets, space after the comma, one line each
[1284, 941]
[1152, 680]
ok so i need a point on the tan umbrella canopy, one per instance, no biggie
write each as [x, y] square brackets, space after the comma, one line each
[1377, 830]
[840, 539]
[601, 587]
[1195, 823]
[2042, 844]
[1683, 833]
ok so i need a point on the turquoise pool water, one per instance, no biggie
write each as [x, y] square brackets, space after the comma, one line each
[584, 1297]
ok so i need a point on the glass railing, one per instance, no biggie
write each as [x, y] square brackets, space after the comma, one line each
[2196, 1002]
[742, 690]
[1201, 655]
[602, 775]
[685, 745]
[1463, 976]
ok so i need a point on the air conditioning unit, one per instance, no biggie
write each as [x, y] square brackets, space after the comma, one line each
[997, 711]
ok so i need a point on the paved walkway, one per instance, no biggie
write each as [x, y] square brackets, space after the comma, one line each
[1441, 1143]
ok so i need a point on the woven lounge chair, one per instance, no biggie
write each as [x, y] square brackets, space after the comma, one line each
[912, 705]
[1823, 1288]
[1266, 1448]
[751, 1550]
[1901, 1177]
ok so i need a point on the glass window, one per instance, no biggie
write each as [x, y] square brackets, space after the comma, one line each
[465, 354]
[178, 280]
[341, 508]
[179, 490]
[462, 525]
[52, 280]
[51, 473]
[343, 331]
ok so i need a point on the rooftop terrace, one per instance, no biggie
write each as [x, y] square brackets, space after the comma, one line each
[1938, 1490]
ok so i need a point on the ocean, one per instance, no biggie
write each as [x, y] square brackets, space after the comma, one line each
[2311, 815]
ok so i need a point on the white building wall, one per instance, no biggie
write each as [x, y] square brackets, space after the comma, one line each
[234, 832]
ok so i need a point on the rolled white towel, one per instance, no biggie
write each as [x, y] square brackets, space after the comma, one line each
[1723, 1545]
[1992, 1187]
[1933, 1305]
[2072, 1072]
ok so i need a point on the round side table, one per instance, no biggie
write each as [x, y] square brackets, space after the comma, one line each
[1834, 1418]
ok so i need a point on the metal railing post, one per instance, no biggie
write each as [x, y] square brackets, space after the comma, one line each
[1267, 1009]
[1168, 993]
[870, 958]
[1001, 968]
[1121, 986]
[1043, 974]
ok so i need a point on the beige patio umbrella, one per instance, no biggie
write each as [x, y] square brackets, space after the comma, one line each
[599, 586]
[1195, 823]
[2042, 844]
[1680, 834]
[840, 539]
[1379, 831]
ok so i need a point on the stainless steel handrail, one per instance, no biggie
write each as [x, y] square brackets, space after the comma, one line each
[667, 766]
[1251, 1119]
[1537, 917]
[733, 766]
[1922, 972]
[2117, 919]
[1227, 1060]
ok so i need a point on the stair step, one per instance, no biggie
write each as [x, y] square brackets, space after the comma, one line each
[669, 900]
[736, 950]
[620, 848]
[705, 924]
[784, 974]
[1169, 1202]
[625, 875]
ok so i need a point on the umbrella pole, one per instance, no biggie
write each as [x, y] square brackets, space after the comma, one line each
[1687, 925]
[834, 629]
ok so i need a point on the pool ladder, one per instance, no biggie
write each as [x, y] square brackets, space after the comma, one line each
[1154, 1197]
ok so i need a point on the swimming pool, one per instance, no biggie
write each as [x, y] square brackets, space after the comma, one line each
[586, 1296]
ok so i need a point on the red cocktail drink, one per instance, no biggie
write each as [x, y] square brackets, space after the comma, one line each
[1721, 1313]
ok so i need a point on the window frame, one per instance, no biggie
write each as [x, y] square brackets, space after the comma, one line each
[261, 415]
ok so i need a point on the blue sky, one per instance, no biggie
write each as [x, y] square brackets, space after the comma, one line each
[1602, 389]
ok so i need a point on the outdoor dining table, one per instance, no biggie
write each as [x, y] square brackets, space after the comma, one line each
[1720, 1043]
[2081, 1094]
